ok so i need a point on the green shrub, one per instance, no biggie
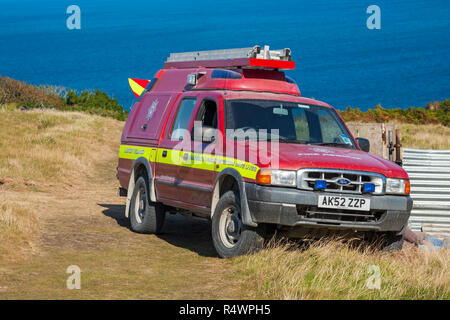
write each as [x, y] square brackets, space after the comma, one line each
[60, 98]
[435, 113]
[96, 102]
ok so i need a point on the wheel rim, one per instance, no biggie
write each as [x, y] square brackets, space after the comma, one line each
[230, 226]
[140, 204]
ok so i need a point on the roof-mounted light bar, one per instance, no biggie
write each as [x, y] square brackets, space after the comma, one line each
[254, 57]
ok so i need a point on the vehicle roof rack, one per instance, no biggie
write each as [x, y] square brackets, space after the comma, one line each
[252, 57]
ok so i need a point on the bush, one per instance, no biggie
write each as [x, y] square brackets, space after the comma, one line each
[96, 102]
[30, 96]
[444, 112]
[13, 91]
[439, 113]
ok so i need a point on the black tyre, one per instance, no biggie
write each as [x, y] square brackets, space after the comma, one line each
[230, 236]
[145, 217]
[391, 242]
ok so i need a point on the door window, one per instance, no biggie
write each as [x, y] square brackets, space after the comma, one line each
[206, 118]
[182, 118]
[207, 114]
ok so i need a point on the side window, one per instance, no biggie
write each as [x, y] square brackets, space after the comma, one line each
[206, 118]
[182, 118]
[301, 124]
[329, 126]
[207, 114]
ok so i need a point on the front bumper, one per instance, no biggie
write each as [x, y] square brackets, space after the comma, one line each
[294, 207]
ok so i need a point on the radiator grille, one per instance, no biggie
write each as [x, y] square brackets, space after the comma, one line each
[354, 180]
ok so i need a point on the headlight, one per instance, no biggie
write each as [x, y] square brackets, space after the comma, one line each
[397, 186]
[277, 177]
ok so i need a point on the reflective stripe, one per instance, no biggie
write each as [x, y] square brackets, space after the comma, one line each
[246, 169]
[189, 159]
[134, 152]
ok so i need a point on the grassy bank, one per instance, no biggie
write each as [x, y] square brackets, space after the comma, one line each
[332, 270]
[437, 112]
[27, 96]
[426, 136]
[45, 147]
[43, 151]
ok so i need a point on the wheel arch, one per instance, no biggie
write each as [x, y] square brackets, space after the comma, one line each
[141, 166]
[231, 179]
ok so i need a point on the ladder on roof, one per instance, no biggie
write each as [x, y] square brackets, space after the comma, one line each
[253, 52]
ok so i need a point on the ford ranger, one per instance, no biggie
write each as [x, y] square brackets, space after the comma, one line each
[226, 135]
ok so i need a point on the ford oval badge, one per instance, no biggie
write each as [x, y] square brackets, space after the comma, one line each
[343, 181]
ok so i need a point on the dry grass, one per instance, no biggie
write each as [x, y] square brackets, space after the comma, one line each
[41, 151]
[425, 136]
[46, 147]
[12, 91]
[18, 229]
[332, 270]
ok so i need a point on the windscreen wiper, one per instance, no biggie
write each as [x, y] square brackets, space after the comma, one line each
[291, 141]
[333, 144]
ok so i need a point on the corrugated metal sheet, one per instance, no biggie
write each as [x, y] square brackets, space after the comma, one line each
[429, 171]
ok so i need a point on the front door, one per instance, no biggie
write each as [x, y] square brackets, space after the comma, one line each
[197, 174]
[167, 158]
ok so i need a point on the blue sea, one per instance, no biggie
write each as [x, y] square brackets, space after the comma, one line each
[339, 60]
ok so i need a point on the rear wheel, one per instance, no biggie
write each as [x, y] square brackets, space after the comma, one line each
[145, 217]
[230, 236]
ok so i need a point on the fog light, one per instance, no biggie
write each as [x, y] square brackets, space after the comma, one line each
[321, 184]
[369, 187]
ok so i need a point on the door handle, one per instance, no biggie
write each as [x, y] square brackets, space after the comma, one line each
[164, 153]
[144, 127]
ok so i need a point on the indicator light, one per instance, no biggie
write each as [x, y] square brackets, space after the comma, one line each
[407, 187]
[263, 177]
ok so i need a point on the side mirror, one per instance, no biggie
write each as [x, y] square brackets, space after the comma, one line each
[208, 135]
[364, 144]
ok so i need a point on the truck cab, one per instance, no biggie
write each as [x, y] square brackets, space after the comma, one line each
[225, 135]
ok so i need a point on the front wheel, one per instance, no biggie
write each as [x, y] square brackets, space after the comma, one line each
[391, 242]
[230, 236]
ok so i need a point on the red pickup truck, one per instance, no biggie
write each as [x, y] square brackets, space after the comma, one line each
[226, 135]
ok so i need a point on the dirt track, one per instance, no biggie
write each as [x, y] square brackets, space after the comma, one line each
[84, 225]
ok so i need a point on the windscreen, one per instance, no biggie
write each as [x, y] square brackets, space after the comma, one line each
[296, 123]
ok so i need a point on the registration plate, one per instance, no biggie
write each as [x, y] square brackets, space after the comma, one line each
[349, 203]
